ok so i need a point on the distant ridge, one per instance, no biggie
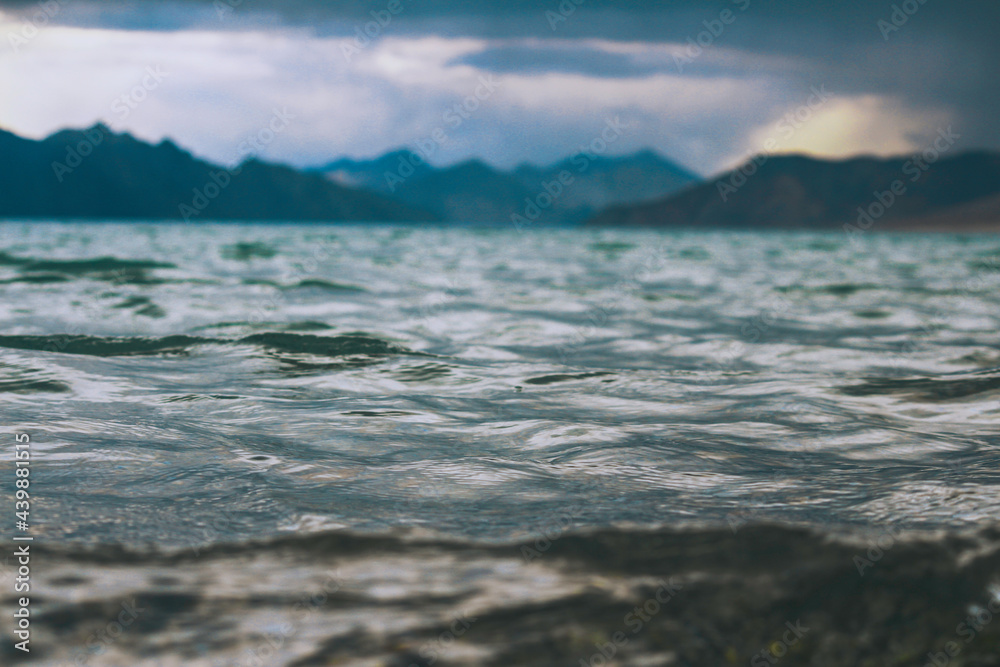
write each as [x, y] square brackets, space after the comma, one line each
[954, 193]
[99, 174]
[474, 191]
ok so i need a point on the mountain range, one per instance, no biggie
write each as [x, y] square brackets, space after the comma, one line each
[950, 193]
[100, 174]
[473, 191]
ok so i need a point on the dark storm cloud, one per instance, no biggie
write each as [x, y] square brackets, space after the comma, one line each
[826, 31]
[572, 57]
[813, 28]
[568, 60]
[806, 25]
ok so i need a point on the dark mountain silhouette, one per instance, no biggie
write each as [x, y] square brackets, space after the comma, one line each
[602, 182]
[798, 192]
[468, 192]
[97, 173]
[476, 192]
[372, 174]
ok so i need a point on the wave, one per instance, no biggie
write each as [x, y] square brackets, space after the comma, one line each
[345, 345]
[15, 380]
[37, 279]
[326, 285]
[98, 265]
[745, 546]
[683, 596]
[930, 389]
[112, 269]
[104, 346]
[246, 251]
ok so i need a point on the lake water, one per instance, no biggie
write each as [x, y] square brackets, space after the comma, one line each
[311, 445]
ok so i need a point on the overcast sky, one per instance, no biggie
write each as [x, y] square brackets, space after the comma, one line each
[553, 77]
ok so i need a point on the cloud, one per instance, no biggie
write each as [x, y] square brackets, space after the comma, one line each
[230, 69]
[810, 25]
[571, 59]
[610, 59]
[844, 127]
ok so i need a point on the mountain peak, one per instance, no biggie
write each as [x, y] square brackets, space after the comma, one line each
[65, 176]
[797, 191]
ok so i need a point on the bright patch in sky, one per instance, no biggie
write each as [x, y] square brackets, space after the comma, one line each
[844, 127]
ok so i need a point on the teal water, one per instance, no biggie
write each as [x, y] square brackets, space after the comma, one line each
[245, 409]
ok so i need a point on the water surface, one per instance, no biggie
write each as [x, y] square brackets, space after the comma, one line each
[490, 422]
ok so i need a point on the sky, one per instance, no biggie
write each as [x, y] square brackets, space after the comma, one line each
[706, 83]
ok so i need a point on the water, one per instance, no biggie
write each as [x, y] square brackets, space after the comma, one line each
[401, 425]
